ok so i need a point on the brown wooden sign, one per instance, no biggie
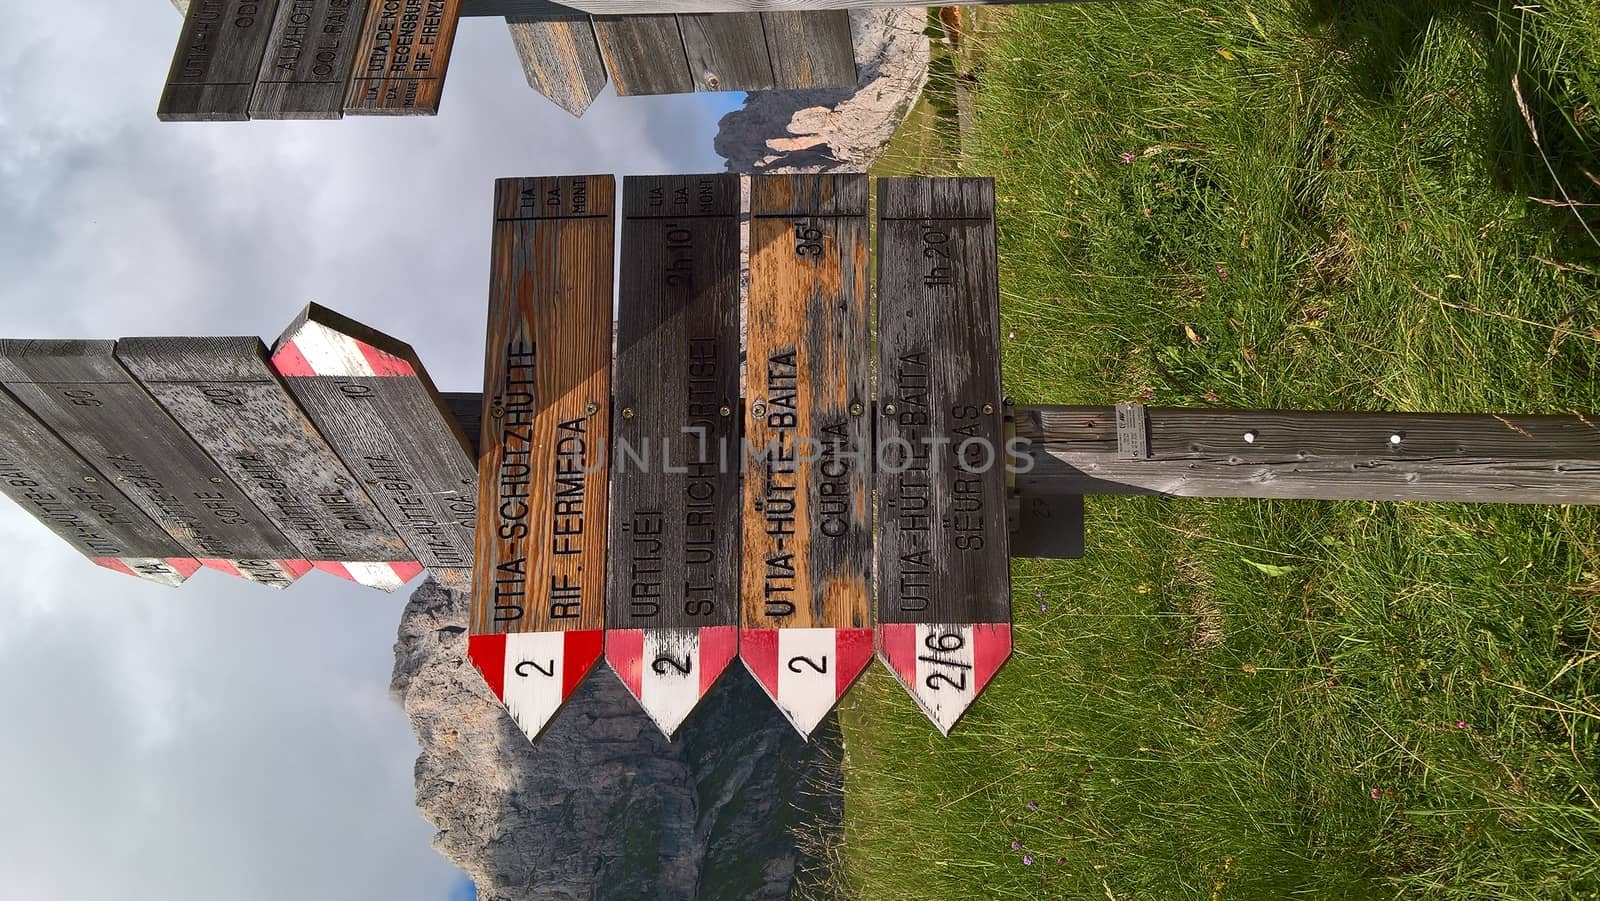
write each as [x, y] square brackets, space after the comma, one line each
[807, 514]
[78, 389]
[402, 57]
[49, 480]
[944, 583]
[374, 404]
[538, 599]
[214, 68]
[223, 392]
[671, 615]
[306, 68]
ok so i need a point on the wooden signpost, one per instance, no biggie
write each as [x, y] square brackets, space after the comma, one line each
[539, 580]
[309, 55]
[78, 389]
[807, 590]
[214, 68]
[48, 479]
[224, 393]
[402, 56]
[672, 617]
[373, 402]
[944, 577]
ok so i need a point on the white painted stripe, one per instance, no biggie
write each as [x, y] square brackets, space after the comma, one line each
[155, 569]
[669, 693]
[808, 674]
[533, 678]
[946, 679]
[374, 575]
[331, 353]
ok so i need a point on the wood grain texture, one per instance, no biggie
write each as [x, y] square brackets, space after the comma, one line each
[309, 57]
[397, 437]
[810, 49]
[675, 507]
[648, 7]
[79, 391]
[1318, 455]
[49, 480]
[541, 541]
[402, 58]
[727, 51]
[561, 59]
[807, 517]
[942, 544]
[644, 54]
[214, 67]
[225, 395]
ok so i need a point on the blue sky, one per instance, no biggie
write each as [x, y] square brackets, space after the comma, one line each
[224, 740]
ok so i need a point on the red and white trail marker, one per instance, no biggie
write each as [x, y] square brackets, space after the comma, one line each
[168, 571]
[382, 576]
[533, 673]
[669, 670]
[944, 666]
[271, 573]
[806, 671]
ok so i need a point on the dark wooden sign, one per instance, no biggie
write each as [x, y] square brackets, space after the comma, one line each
[807, 512]
[374, 404]
[214, 68]
[538, 588]
[49, 480]
[402, 57]
[944, 584]
[672, 619]
[223, 392]
[78, 389]
[306, 68]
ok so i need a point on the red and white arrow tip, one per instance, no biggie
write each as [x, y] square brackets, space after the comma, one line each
[271, 573]
[805, 671]
[169, 571]
[670, 670]
[944, 666]
[315, 349]
[382, 576]
[533, 673]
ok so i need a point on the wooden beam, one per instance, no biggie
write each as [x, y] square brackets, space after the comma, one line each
[644, 54]
[308, 59]
[727, 51]
[402, 57]
[812, 49]
[561, 58]
[1321, 456]
[659, 7]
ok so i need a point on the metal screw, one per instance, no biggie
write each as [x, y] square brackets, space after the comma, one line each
[1008, 402]
[987, 409]
[497, 412]
[627, 412]
[90, 479]
[889, 409]
[725, 410]
[855, 409]
[1249, 437]
[712, 81]
[758, 409]
[216, 481]
[1395, 438]
[591, 408]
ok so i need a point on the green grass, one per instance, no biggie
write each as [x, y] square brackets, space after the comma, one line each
[1322, 205]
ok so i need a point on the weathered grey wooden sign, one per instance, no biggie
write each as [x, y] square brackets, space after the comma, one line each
[223, 392]
[214, 67]
[672, 616]
[807, 590]
[49, 480]
[402, 56]
[372, 401]
[944, 577]
[538, 598]
[78, 389]
[309, 56]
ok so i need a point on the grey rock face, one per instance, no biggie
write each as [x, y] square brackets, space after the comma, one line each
[602, 806]
[835, 130]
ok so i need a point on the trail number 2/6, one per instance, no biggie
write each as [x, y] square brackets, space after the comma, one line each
[548, 670]
[948, 643]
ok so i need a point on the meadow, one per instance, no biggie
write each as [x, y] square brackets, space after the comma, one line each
[1307, 204]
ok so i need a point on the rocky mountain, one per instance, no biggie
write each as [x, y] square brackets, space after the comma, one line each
[602, 806]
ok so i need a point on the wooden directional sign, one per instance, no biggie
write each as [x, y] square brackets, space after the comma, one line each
[671, 615]
[402, 57]
[944, 585]
[807, 514]
[306, 68]
[79, 391]
[223, 392]
[374, 404]
[538, 589]
[61, 490]
[214, 67]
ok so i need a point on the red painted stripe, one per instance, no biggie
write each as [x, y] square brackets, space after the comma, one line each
[579, 652]
[113, 563]
[854, 647]
[758, 648]
[384, 363]
[289, 361]
[488, 654]
[718, 646]
[991, 645]
[899, 642]
[334, 568]
[406, 570]
[221, 566]
[625, 654]
[186, 566]
[296, 568]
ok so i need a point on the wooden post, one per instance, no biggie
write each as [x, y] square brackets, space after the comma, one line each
[538, 592]
[215, 64]
[402, 57]
[944, 578]
[672, 616]
[308, 59]
[661, 7]
[807, 513]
